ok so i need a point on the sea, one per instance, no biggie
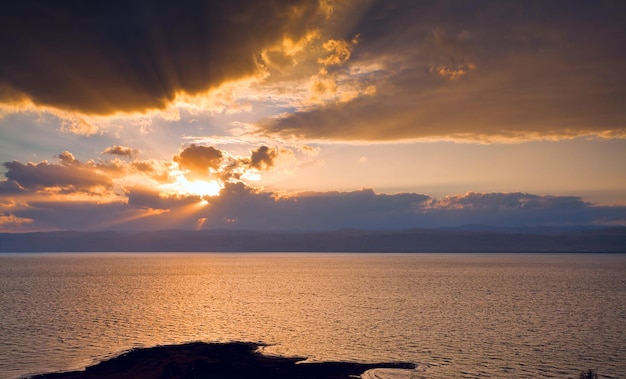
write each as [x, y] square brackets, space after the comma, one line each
[455, 315]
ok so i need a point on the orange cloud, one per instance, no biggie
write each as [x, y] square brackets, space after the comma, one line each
[199, 161]
[339, 51]
[440, 73]
[12, 220]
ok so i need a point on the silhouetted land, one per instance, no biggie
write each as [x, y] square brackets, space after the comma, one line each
[237, 360]
[468, 239]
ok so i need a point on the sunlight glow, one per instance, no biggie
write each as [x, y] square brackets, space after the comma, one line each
[201, 187]
[196, 187]
[184, 186]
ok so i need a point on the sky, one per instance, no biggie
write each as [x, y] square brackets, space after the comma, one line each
[311, 114]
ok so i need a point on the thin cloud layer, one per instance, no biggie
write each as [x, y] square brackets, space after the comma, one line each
[478, 71]
[107, 57]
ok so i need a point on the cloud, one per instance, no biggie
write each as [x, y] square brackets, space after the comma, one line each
[200, 161]
[263, 158]
[121, 151]
[518, 209]
[155, 169]
[57, 178]
[339, 51]
[208, 162]
[509, 202]
[9, 187]
[136, 56]
[77, 215]
[150, 199]
[9, 222]
[69, 179]
[452, 71]
[376, 70]
[242, 207]
[67, 158]
[484, 71]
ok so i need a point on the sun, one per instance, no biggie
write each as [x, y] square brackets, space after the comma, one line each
[185, 186]
[201, 187]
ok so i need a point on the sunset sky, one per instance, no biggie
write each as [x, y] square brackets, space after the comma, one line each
[306, 114]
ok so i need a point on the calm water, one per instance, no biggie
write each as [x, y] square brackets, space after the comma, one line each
[463, 316]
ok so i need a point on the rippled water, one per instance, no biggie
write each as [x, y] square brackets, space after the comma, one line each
[459, 315]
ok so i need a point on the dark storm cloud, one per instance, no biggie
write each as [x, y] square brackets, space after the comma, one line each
[122, 151]
[100, 57]
[484, 70]
[37, 176]
[199, 160]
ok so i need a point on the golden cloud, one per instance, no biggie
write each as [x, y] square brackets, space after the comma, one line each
[433, 74]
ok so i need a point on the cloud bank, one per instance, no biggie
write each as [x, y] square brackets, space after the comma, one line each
[379, 70]
[132, 56]
[486, 71]
[44, 196]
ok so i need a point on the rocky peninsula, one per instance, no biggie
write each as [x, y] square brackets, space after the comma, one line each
[234, 360]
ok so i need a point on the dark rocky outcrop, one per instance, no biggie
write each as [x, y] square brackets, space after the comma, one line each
[236, 360]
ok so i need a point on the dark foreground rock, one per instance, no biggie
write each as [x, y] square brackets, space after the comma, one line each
[236, 360]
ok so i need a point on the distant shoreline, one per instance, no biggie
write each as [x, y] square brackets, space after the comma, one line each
[234, 360]
[458, 240]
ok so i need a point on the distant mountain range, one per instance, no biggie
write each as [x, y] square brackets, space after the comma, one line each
[471, 238]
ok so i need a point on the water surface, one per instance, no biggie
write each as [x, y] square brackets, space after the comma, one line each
[460, 315]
